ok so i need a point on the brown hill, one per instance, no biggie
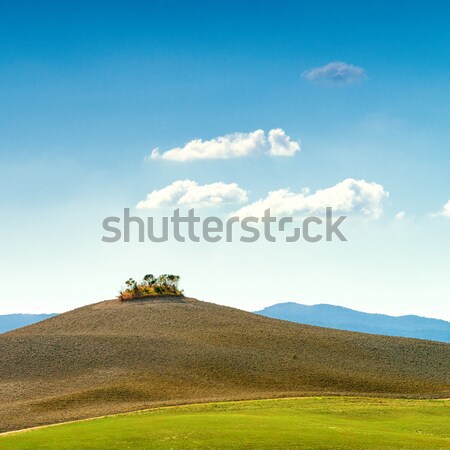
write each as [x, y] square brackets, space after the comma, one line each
[119, 356]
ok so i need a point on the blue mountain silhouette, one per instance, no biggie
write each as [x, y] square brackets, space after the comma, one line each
[331, 316]
[9, 322]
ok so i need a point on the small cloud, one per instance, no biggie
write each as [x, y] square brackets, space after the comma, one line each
[400, 215]
[445, 212]
[236, 145]
[348, 196]
[155, 154]
[336, 73]
[189, 193]
[282, 145]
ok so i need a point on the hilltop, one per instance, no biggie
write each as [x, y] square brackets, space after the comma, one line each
[118, 356]
[331, 316]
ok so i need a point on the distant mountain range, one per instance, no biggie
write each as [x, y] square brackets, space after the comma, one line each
[321, 315]
[348, 319]
[12, 321]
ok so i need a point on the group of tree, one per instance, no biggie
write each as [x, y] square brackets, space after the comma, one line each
[151, 286]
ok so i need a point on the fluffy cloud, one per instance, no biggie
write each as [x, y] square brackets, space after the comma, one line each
[190, 194]
[400, 215]
[445, 210]
[348, 196]
[282, 145]
[335, 73]
[236, 145]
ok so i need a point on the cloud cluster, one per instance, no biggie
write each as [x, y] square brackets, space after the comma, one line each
[348, 196]
[190, 194]
[336, 73]
[236, 145]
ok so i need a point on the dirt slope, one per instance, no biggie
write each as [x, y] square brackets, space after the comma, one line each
[112, 357]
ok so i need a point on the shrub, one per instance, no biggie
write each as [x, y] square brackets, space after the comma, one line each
[151, 286]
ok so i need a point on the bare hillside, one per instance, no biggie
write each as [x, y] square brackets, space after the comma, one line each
[120, 356]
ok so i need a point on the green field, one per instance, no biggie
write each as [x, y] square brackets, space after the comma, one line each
[305, 423]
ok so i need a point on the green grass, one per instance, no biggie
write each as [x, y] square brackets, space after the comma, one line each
[305, 423]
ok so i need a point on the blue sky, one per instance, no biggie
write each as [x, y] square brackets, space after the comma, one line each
[87, 91]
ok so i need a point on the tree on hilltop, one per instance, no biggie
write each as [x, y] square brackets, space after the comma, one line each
[151, 286]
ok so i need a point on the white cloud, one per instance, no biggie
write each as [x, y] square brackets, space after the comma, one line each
[445, 210]
[400, 215]
[282, 145]
[190, 194]
[348, 196]
[236, 145]
[336, 73]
